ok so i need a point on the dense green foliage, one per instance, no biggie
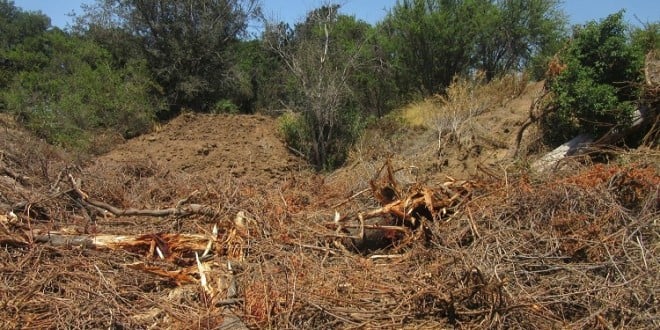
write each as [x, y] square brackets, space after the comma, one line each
[75, 92]
[647, 38]
[16, 28]
[125, 63]
[596, 91]
[17, 25]
[188, 44]
[434, 40]
[66, 88]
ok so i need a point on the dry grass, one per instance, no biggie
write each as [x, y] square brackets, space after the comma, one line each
[452, 115]
[577, 250]
[472, 126]
[587, 259]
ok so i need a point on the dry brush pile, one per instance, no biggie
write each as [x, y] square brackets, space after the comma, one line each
[576, 250]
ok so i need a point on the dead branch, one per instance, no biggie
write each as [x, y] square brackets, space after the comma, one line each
[350, 198]
[179, 277]
[534, 116]
[399, 216]
[379, 227]
[22, 179]
[421, 201]
[166, 243]
[385, 190]
[179, 211]
[15, 185]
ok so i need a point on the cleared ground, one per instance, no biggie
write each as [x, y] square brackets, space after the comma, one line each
[575, 248]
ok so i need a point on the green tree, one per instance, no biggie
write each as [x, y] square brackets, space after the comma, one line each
[76, 93]
[371, 79]
[431, 41]
[16, 28]
[187, 43]
[263, 78]
[597, 90]
[16, 25]
[510, 33]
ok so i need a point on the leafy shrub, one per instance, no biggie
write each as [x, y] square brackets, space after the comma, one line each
[597, 89]
[298, 131]
[77, 93]
[225, 106]
[292, 128]
[647, 38]
[322, 63]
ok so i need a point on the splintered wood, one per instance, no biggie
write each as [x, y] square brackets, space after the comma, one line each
[188, 261]
[402, 213]
[196, 250]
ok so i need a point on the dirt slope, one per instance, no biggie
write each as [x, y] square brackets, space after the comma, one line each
[249, 147]
[212, 146]
[484, 145]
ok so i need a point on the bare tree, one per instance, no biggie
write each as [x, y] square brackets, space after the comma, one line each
[321, 70]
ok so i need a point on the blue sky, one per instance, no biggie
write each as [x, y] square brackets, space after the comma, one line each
[372, 11]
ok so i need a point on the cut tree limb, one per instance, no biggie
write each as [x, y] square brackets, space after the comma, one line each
[551, 159]
[166, 243]
[534, 115]
[643, 119]
[399, 217]
[585, 142]
[22, 179]
[180, 210]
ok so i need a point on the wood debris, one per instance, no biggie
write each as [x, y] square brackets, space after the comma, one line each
[402, 213]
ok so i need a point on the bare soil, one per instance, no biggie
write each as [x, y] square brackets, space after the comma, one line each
[211, 146]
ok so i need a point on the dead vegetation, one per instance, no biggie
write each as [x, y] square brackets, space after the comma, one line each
[390, 241]
[470, 254]
[453, 115]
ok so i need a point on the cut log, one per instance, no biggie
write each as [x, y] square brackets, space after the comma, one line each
[180, 210]
[166, 243]
[551, 159]
[641, 118]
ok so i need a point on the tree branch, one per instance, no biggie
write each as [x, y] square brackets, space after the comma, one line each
[179, 211]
